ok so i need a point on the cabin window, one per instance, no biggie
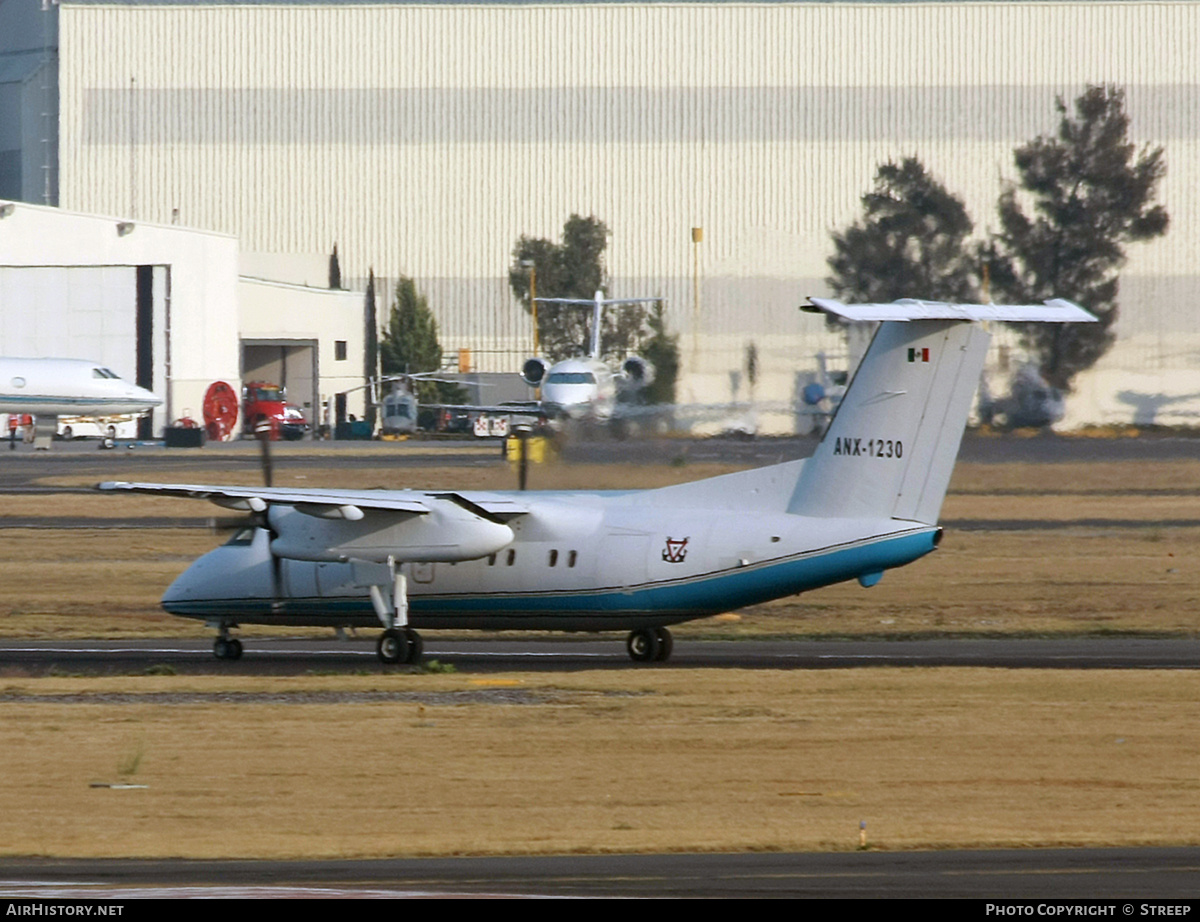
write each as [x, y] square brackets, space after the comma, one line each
[571, 558]
[554, 558]
[339, 350]
[18, 382]
[491, 560]
[512, 556]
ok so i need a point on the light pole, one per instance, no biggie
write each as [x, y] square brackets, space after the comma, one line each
[697, 237]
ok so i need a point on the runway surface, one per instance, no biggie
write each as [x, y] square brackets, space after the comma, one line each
[559, 654]
[1135, 876]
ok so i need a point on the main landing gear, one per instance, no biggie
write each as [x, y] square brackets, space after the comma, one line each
[650, 645]
[399, 646]
[398, 643]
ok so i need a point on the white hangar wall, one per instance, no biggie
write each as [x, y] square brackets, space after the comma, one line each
[67, 289]
[274, 313]
[424, 139]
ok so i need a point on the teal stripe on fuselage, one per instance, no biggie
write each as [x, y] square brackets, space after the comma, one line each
[598, 609]
[27, 400]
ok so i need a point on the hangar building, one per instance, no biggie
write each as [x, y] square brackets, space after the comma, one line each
[165, 306]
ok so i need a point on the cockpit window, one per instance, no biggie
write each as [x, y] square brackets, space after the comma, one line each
[571, 377]
[103, 373]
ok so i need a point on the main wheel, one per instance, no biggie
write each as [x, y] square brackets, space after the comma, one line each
[392, 647]
[221, 648]
[643, 645]
[235, 648]
[666, 643]
[416, 646]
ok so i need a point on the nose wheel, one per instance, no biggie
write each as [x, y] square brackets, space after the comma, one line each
[650, 645]
[227, 648]
[399, 645]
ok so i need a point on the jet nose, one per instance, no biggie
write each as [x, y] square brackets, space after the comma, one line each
[149, 398]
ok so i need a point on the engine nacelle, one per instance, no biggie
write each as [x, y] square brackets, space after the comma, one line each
[534, 371]
[638, 371]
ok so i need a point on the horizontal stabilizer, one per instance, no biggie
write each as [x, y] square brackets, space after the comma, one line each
[1055, 310]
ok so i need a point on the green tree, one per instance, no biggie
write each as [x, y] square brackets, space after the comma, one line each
[1084, 194]
[371, 352]
[409, 344]
[660, 349]
[909, 243]
[335, 269]
[573, 268]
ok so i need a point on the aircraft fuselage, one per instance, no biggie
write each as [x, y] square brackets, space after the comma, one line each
[68, 387]
[577, 561]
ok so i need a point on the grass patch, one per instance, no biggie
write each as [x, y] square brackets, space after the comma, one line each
[703, 760]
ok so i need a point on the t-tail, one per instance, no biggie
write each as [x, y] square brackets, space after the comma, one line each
[891, 447]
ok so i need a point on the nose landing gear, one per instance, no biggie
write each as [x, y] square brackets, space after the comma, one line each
[226, 647]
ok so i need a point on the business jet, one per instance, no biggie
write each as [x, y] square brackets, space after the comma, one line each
[866, 501]
[586, 387]
[68, 387]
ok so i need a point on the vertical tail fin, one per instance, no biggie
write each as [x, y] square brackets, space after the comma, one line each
[891, 447]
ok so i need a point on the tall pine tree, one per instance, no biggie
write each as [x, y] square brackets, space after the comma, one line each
[909, 243]
[409, 344]
[1084, 194]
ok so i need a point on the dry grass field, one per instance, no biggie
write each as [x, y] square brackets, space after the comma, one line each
[642, 759]
[584, 762]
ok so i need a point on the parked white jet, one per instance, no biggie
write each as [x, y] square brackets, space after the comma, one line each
[68, 387]
[866, 501]
[586, 387]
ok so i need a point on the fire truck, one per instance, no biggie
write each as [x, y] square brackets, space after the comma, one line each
[265, 402]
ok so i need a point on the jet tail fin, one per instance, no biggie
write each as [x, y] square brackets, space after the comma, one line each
[891, 447]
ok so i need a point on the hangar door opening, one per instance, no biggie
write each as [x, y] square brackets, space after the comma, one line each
[114, 315]
[290, 363]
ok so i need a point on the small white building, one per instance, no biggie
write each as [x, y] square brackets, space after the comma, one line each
[165, 307]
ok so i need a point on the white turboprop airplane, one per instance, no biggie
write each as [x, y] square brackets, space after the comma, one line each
[866, 501]
[68, 387]
[586, 387]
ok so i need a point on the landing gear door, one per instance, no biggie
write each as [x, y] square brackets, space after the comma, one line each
[350, 579]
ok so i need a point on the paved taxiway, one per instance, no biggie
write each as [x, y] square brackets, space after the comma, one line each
[559, 653]
[1130, 875]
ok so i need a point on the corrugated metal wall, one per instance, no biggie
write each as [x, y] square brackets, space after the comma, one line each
[425, 139]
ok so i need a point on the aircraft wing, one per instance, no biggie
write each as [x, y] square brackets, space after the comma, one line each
[348, 504]
[525, 408]
[1055, 310]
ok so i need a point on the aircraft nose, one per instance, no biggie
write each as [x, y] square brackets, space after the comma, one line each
[149, 398]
